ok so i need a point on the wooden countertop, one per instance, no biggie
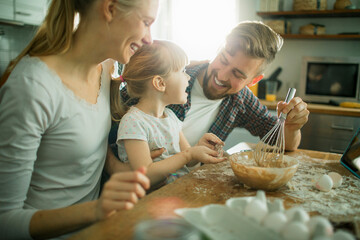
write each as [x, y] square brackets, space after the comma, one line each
[215, 183]
[322, 108]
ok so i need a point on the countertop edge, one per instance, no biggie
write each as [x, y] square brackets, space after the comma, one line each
[321, 108]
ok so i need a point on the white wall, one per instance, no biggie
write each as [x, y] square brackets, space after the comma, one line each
[289, 58]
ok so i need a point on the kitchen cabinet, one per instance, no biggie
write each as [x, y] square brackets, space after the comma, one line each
[328, 133]
[21, 12]
[30, 12]
[315, 14]
[7, 9]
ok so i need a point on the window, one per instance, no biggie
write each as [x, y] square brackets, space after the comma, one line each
[198, 26]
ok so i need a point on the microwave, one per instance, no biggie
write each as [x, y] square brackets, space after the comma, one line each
[325, 79]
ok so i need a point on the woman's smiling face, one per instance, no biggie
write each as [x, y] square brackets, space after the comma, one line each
[134, 29]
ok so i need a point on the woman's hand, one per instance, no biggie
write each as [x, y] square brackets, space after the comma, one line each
[121, 192]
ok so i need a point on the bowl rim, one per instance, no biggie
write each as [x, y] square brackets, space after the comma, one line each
[296, 164]
[242, 169]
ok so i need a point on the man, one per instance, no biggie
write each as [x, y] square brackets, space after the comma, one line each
[218, 95]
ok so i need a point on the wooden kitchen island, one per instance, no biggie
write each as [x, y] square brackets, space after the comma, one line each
[216, 183]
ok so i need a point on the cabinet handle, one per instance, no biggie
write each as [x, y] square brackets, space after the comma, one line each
[336, 150]
[23, 13]
[334, 126]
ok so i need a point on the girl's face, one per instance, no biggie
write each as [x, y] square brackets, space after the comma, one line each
[133, 31]
[175, 87]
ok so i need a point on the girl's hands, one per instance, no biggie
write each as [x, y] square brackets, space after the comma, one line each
[210, 140]
[204, 154]
[121, 192]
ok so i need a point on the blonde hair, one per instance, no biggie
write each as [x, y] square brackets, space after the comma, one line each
[160, 58]
[255, 39]
[55, 35]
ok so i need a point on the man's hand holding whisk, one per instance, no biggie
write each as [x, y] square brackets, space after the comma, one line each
[297, 116]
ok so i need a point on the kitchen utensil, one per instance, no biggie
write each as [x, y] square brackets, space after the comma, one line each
[265, 178]
[270, 150]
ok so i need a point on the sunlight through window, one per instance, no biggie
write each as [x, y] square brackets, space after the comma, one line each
[199, 26]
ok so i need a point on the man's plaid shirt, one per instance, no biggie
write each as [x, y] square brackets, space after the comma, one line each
[239, 110]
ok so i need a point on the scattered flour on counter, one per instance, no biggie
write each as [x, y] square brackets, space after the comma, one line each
[212, 175]
[200, 190]
[200, 174]
[226, 171]
[341, 201]
[344, 200]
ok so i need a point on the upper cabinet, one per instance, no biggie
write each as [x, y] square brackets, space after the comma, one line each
[290, 15]
[7, 9]
[30, 12]
[23, 11]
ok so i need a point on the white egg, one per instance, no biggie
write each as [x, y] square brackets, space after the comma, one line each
[337, 179]
[256, 210]
[238, 204]
[300, 213]
[320, 226]
[275, 221]
[260, 195]
[325, 183]
[295, 231]
[342, 235]
[276, 206]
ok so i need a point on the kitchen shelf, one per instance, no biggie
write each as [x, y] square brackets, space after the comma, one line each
[326, 36]
[311, 14]
[347, 13]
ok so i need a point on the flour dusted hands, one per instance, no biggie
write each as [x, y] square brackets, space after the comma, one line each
[121, 192]
[204, 154]
[210, 140]
[205, 150]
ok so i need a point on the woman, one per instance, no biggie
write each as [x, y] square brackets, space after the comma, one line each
[55, 118]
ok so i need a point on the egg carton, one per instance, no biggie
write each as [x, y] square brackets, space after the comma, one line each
[257, 218]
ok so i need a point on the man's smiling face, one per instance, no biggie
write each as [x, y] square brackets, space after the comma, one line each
[227, 74]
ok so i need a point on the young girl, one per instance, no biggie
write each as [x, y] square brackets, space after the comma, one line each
[156, 76]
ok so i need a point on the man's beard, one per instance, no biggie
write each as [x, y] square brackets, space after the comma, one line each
[206, 88]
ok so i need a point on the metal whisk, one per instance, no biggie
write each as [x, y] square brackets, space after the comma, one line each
[269, 151]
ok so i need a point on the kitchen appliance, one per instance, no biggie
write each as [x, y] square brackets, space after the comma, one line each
[325, 79]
